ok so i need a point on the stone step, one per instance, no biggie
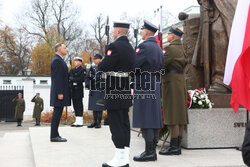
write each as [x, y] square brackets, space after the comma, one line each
[16, 151]
[91, 147]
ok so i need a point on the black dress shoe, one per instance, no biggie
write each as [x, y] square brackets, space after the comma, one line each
[106, 165]
[98, 126]
[92, 125]
[58, 139]
[73, 125]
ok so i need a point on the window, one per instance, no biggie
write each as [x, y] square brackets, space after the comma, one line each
[43, 81]
[6, 81]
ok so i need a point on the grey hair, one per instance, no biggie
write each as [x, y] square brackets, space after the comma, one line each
[57, 46]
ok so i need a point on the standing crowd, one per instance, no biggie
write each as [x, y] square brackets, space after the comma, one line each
[156, 75]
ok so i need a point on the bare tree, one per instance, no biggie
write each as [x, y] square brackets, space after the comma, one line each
[14, 51]
[59, 15]
[99, 31]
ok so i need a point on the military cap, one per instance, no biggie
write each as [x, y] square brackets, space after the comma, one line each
[19, 94]
[37, 93]
[78, 59]
[97, 56]
[149, 26]
[121, 24]
[175, 30]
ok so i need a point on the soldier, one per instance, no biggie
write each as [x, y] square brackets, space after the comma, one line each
[38, 108]
[59, 92]
[76, 79]
[147, 91]
[118, 62]
[95, 94]
[20, 108]
[174, 95]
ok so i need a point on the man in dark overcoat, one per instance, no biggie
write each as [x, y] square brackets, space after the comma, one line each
[147, 94]
[59, 92]
[117, 64]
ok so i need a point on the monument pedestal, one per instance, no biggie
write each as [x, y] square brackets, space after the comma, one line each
[215, 128]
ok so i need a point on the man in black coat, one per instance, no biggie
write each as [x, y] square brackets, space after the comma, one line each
[246, 146]
[76, 79]
[59, 92]
[117, 64]
[94, 84]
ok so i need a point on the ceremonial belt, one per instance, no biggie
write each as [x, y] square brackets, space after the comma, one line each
[118, 74]
[174, 71]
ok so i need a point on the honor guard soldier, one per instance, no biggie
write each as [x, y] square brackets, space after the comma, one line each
[20, 108]
[76, 79]
[117, 64]
[38, 108]
[93, 83]
[147, 96]
[174, 94]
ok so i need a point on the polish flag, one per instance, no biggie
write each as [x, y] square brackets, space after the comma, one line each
[237, 70]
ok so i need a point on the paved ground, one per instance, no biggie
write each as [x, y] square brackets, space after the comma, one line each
[92, 147]
[11, 127]
[30, 147]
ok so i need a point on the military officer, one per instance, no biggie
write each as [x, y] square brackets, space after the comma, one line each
[94, 78]
[174, 95]
[147, 96]
[117, 64]
[20, 108]
[38, 108]
[76, 79]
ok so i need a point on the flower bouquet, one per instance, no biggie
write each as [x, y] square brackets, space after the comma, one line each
[199, 99]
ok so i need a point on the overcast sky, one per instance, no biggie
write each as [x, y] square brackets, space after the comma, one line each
[91, 8]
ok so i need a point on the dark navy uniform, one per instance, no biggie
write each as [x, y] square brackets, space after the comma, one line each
[76, 79]
[120, 57]
[147, 93]
[94, 83]
[147, 108]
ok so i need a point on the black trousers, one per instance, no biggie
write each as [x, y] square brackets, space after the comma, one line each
[119, 127]
[97, 115]
[150, 135]
[55, 121]
[78, 106]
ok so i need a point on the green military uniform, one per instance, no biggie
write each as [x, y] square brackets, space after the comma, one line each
[174, 94]
[38, 108]
[20, 108]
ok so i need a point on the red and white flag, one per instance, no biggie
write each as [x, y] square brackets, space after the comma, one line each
[237, 70]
